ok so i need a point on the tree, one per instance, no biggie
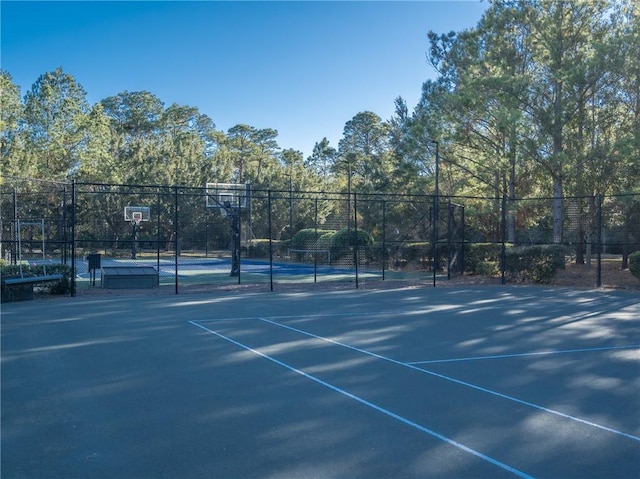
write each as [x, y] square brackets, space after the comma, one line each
[240, 142]
[99, 164]
[134, 115]
[252, 150]
[55, 110]
[533, 81]
[135, 119]
[560, 44]
[627, 121]
[485, 70]
[399, 128]
[11, 141]
[188, 145]
[322, 158]
[364, 148]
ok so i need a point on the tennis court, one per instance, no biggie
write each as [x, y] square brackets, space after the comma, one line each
[473, 382]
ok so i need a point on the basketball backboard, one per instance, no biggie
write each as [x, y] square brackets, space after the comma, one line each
[136, 214]
[226, 195]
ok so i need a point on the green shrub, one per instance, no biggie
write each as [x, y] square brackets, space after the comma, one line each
[345, 239]
[308, 238]
[259, 248]
[415, 251]
[63, 286]
[478, 255]
[487, 268]
[325, 240]
[634, 264]
[537, 264]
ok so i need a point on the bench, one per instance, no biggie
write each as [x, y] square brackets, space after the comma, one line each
[20, 288]
[126, 277]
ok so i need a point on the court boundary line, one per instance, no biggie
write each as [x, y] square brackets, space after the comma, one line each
[458, 381]
[369, 404]
[517, 355]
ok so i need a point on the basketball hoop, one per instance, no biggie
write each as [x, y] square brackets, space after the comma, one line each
[136, 214]
[136, 218]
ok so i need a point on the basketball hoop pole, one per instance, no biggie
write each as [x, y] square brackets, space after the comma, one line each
[135, 215]
[134, 228]
[235, 252]
[230, 199]
[232, 213]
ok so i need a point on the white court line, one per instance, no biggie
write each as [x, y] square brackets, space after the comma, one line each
[370, 404]
[457, 381]
[519, 355]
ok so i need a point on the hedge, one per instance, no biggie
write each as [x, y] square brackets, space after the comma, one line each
[537, 264]
[309, 237]
[483, 258]
[59, 287]
[414, 252]
[259, 248]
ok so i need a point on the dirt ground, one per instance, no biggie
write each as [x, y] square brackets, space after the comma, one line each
[613, 277]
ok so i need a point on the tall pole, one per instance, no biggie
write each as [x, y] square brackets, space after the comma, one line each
[599, 245]
[270, 242]
[175, 236]
[73, 238]
[436, 194]
[355, 227]
[290, 206]
[14, 228]
[348, 201]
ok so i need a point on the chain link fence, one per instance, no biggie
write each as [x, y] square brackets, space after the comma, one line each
[295, 237]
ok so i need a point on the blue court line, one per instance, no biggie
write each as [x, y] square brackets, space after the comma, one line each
[519, 355]
[370, 404]
[457, 381]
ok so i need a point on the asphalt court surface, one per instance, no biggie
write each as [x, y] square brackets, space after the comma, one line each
[469, 382]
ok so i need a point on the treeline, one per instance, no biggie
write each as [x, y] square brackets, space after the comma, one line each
[541, 98]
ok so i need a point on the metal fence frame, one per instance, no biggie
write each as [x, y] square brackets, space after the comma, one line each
[82, 218]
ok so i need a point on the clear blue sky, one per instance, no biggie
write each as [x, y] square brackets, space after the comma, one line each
[303, 68]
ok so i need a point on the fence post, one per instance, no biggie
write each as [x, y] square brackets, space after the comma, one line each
[73, 238]
[63, 233]
[158, 231]
[384, 236]
[315, 254]
[355, 230]
[449, 237]
[270, 241]
[599, 243]
[14, 228]
[463, 245]
[503, 232]
[434, 240]
[175, 235]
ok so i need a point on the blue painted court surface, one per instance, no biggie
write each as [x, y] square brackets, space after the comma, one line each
[189, 267]
[475, 382]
